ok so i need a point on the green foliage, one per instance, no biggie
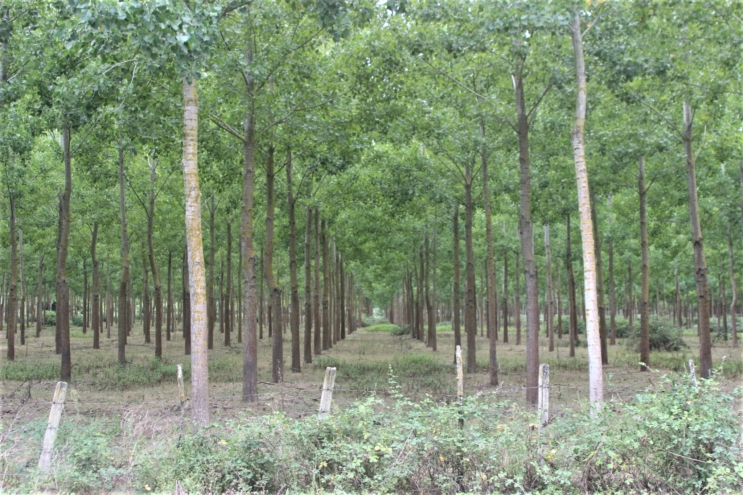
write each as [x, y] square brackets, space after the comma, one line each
[77, 320]
[383, 327]
[664, 336]
[229, 458]
[401, 330]
[680, 439]
[50, 318]
[89, 465]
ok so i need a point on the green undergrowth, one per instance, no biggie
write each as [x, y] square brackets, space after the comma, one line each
[383, 327]
[419, 372]
[678, 438]
[106, 373]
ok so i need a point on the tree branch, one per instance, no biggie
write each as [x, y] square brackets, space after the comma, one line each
[226, 127]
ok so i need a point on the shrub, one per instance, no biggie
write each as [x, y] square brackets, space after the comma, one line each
[401, 330]
[664, 336]
[50, 318]
[77, 320]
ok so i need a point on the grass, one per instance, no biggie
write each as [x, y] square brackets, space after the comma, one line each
[384, 327]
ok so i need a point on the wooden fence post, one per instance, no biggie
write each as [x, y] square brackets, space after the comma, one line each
[327, 393]
[60, 392]
[181, 389]
[543, 396]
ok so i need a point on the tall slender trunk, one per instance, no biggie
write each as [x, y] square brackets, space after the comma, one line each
[470, 321]
[434, 343]
[550, 295]
[612, 296]
[153, 266]
[96, 322]
[39, 302]
[593, 337]
[186, 317]
[527, 244]
[490, 292]
[63, 293]
[250, 342]
[573, 319]
[326, 288]
[239, 295]
[645, 277]
[86, 296]
[700, 264]
[194, 240]
[504, 297]
[211, 306]
[599, 283]
[342, 299]
[227, 313]
[109, 298]
[455, 286]
[145, 308]
[429, 305]
[169, 310]
[733, 289]
[123, 322]
[559, 303]
[517, 309]
[294, 318]
[274, 291]
[23, 288]
[316, 294]
[261, 292]
[12, 308]
[421, 302]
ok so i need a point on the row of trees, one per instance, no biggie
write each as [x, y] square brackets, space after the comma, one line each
[386, 118]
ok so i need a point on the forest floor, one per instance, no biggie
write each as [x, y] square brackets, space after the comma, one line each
[365, 359]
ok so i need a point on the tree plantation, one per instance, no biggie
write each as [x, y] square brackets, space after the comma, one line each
[346, 246]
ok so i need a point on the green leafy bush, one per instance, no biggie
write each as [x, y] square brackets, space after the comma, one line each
[664, 336]
[77, 320]
[401, 330]
[50, 318]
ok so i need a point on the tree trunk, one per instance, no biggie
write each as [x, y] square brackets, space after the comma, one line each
[517, 309]
[434, 336]
[23, 311]
[550, 296]
[247, 249]
[96, 323]
[527, 245]
[39, 302]
[109, 298]
[12, 308]
[228, 289]
[470, 316]
[429, 305]
[123, 323]
[316, 294]
[145, 311]
[194, 240]
[559, 303]
[211, 306]
[186, 304]
[612, 296]
[593, 338]
[326, 288]
[63, 294]
[599, 284]
[294, 318]
[86, 296]
[169, 310]
[504, 297]
[573, 319]
[700, 264]
[342, 312]
[153, 265]
[261, 304]
[274, 291]
[733, 288]
[457, 277]
[645, 276]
